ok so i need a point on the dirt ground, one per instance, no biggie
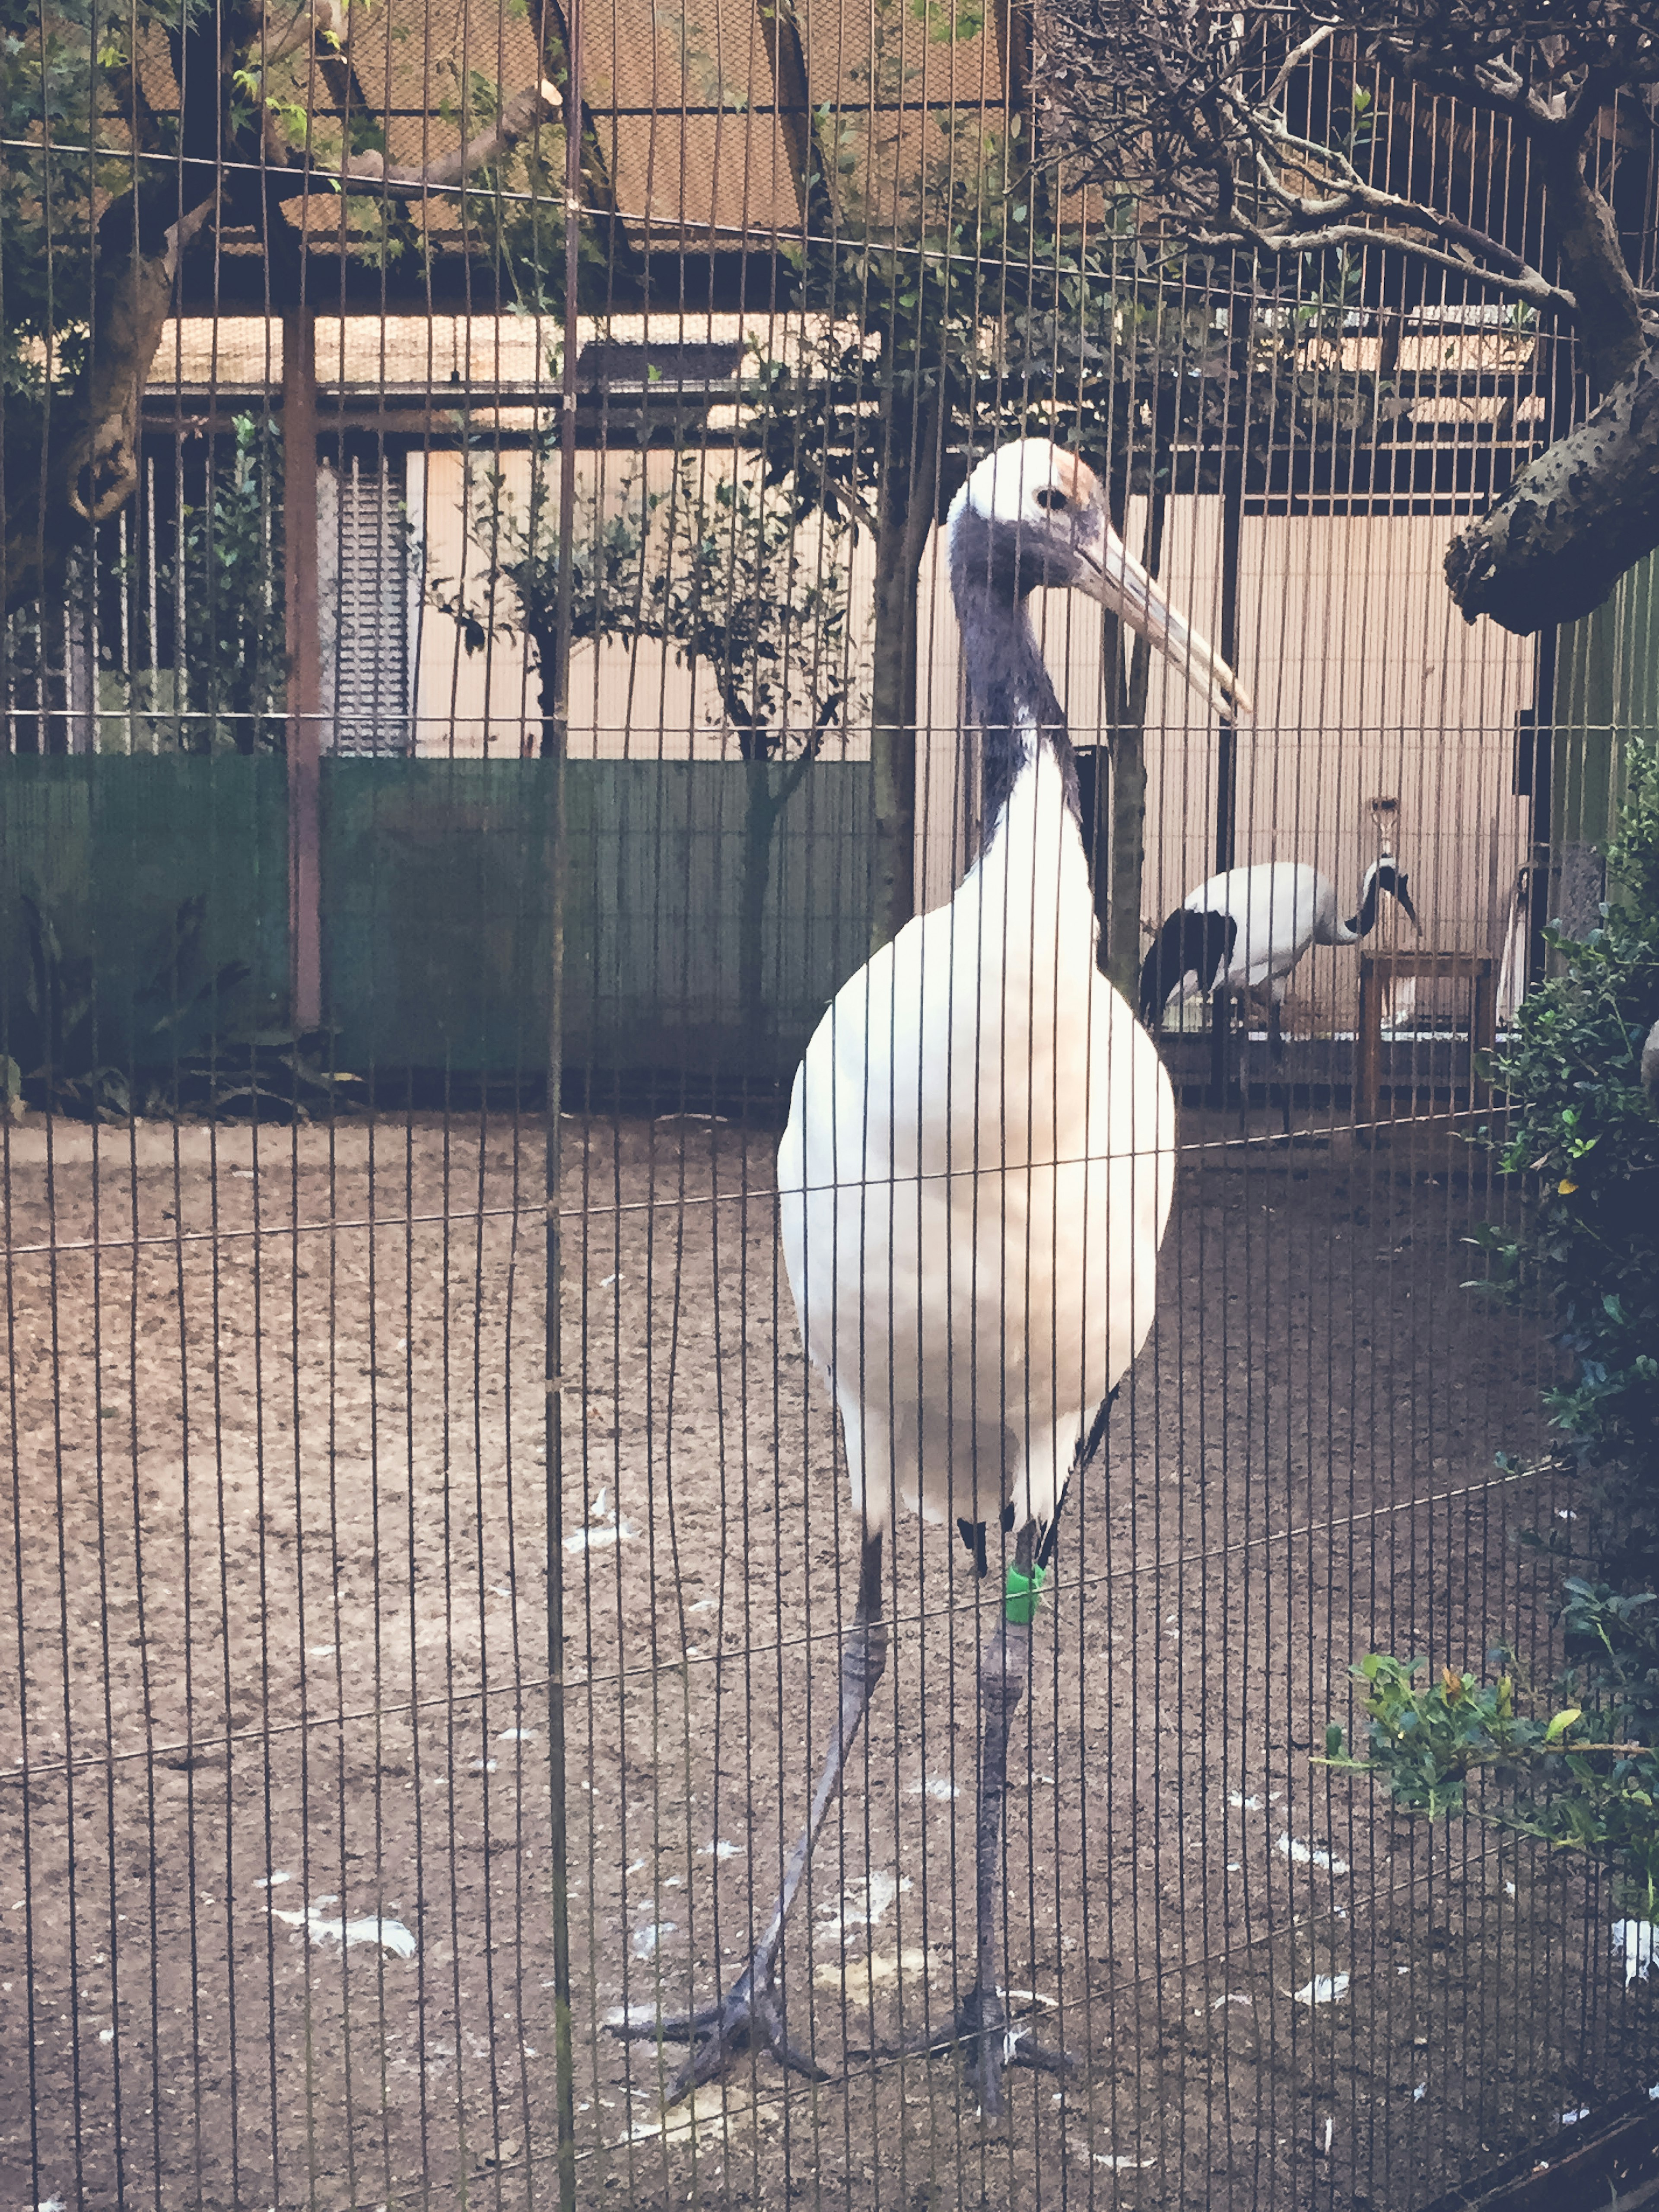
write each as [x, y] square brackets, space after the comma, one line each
[279, 1633]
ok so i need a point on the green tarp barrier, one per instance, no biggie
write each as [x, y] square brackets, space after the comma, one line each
[690, 944]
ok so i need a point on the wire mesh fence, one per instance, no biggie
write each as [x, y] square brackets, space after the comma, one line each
[525, 637]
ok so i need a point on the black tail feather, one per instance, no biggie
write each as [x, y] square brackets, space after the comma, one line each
[1189, 943]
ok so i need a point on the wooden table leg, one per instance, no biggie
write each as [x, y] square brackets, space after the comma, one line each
[1368, 1042]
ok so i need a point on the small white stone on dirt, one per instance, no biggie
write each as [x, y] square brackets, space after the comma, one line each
[274, 1880]
[599, 1539]
[1579, 2113]
[1233, 1996]
[1301, 1853]
[384, 1935]
[517, 1736]
[1324, 1988]
[861, 1904]
[720, 1849]
[1419, 2092]
[649, 1939]
[879, 1967]
[1243, 1804]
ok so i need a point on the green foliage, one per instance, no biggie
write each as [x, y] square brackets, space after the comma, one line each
[222, 576]
[1581, 1774]
[721, 569]
[1581, 1142]
[56, 67]
[60, 1065]
[522, 558]
[761, 601]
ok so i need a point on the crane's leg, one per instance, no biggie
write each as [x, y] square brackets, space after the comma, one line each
[981, 2021]
[752, 2010]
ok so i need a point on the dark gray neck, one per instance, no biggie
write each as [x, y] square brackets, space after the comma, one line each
[1363, 923]
[1012, 698]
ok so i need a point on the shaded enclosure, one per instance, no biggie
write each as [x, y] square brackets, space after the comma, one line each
[486, 683]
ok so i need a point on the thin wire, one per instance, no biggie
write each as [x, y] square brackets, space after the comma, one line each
[1058, 1584]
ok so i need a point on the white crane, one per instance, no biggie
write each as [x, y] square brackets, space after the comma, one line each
[1249, 927]
[973, 1182]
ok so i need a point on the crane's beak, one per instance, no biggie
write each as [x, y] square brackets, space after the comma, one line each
[1123, 588]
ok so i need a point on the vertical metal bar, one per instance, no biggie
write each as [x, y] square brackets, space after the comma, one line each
[1483, 1034]
[304, 667]
[1542, 829]
[1226, 778]
[564, 2066]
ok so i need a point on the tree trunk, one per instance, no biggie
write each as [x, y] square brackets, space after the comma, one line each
[1585, 233]
[1569, 527]
[1128, 751]
[90, 439]
[904, 516]
[761, 807]
[1128, 758]
[545, 639]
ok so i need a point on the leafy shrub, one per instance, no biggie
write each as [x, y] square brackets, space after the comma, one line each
[1582, 1142]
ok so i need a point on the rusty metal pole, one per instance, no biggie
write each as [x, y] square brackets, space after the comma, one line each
[305, 673]
[564, 2071]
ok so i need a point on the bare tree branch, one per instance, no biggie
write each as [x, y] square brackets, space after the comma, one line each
[1258, 129]
[1570, 524]
[538, 103]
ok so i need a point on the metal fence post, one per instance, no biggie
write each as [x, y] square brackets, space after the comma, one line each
[305, 685]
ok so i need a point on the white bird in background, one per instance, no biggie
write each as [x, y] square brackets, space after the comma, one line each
[1249, 926]
[973, 1182]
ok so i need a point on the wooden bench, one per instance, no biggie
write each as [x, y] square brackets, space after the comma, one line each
[1377, 970]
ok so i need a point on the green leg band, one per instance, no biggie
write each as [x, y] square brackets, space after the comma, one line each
[1020, 1594]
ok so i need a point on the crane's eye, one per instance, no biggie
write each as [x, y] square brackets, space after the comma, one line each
[1054, 501]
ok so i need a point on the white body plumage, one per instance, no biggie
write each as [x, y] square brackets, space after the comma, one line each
[1281, 908]
[974, 1180]
[1248, 928]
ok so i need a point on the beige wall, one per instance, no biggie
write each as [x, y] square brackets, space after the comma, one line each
[1369, 687]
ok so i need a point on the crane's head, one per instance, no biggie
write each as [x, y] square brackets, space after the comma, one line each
[1386, 874]
[1032, 514]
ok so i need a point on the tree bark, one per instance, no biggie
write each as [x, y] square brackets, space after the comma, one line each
[1569, 527]
[1126, 750]
[90, 439]
[1611, 338]
[904, 516]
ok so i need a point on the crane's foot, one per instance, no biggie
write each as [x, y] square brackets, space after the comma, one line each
[992, 2042]
[750, 2017]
